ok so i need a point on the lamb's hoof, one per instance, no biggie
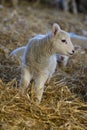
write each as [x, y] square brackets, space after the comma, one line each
[37, 101]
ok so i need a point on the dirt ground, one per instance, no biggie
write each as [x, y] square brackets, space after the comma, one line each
[63, 106]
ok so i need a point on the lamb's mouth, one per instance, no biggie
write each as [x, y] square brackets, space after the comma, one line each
[70, 53]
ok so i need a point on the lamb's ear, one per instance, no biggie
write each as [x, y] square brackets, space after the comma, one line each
[56, 29]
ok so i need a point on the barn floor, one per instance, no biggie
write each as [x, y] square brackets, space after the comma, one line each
[63, 106]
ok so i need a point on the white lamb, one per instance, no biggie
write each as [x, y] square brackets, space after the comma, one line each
[39, 58]
[63, 59]
[18, 54]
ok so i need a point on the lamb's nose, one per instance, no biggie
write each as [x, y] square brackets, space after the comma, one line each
[73, 51]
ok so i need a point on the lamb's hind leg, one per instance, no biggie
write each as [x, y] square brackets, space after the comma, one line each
[39, 87]
[25, 78]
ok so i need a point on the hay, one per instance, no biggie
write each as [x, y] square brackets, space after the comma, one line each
[60, 109]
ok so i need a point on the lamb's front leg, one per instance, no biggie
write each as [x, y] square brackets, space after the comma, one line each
[25, 78]
[39, 87]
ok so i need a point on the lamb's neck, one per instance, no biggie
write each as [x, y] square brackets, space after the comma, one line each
[47, 45]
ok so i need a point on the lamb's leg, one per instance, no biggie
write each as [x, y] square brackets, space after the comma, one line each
[74, 7]
[25, 79]
[39, 87]
[65, 5]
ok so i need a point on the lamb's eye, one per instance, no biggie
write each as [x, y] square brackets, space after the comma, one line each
[63, 40]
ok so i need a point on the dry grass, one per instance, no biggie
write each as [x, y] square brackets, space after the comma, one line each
[60, 109]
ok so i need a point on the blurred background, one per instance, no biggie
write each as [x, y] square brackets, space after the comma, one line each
[72, 11]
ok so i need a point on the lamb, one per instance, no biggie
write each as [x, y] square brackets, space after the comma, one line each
[61, 59]
[39, 58]
[18, 53]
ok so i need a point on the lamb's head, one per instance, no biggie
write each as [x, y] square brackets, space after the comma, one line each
[61, 41]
